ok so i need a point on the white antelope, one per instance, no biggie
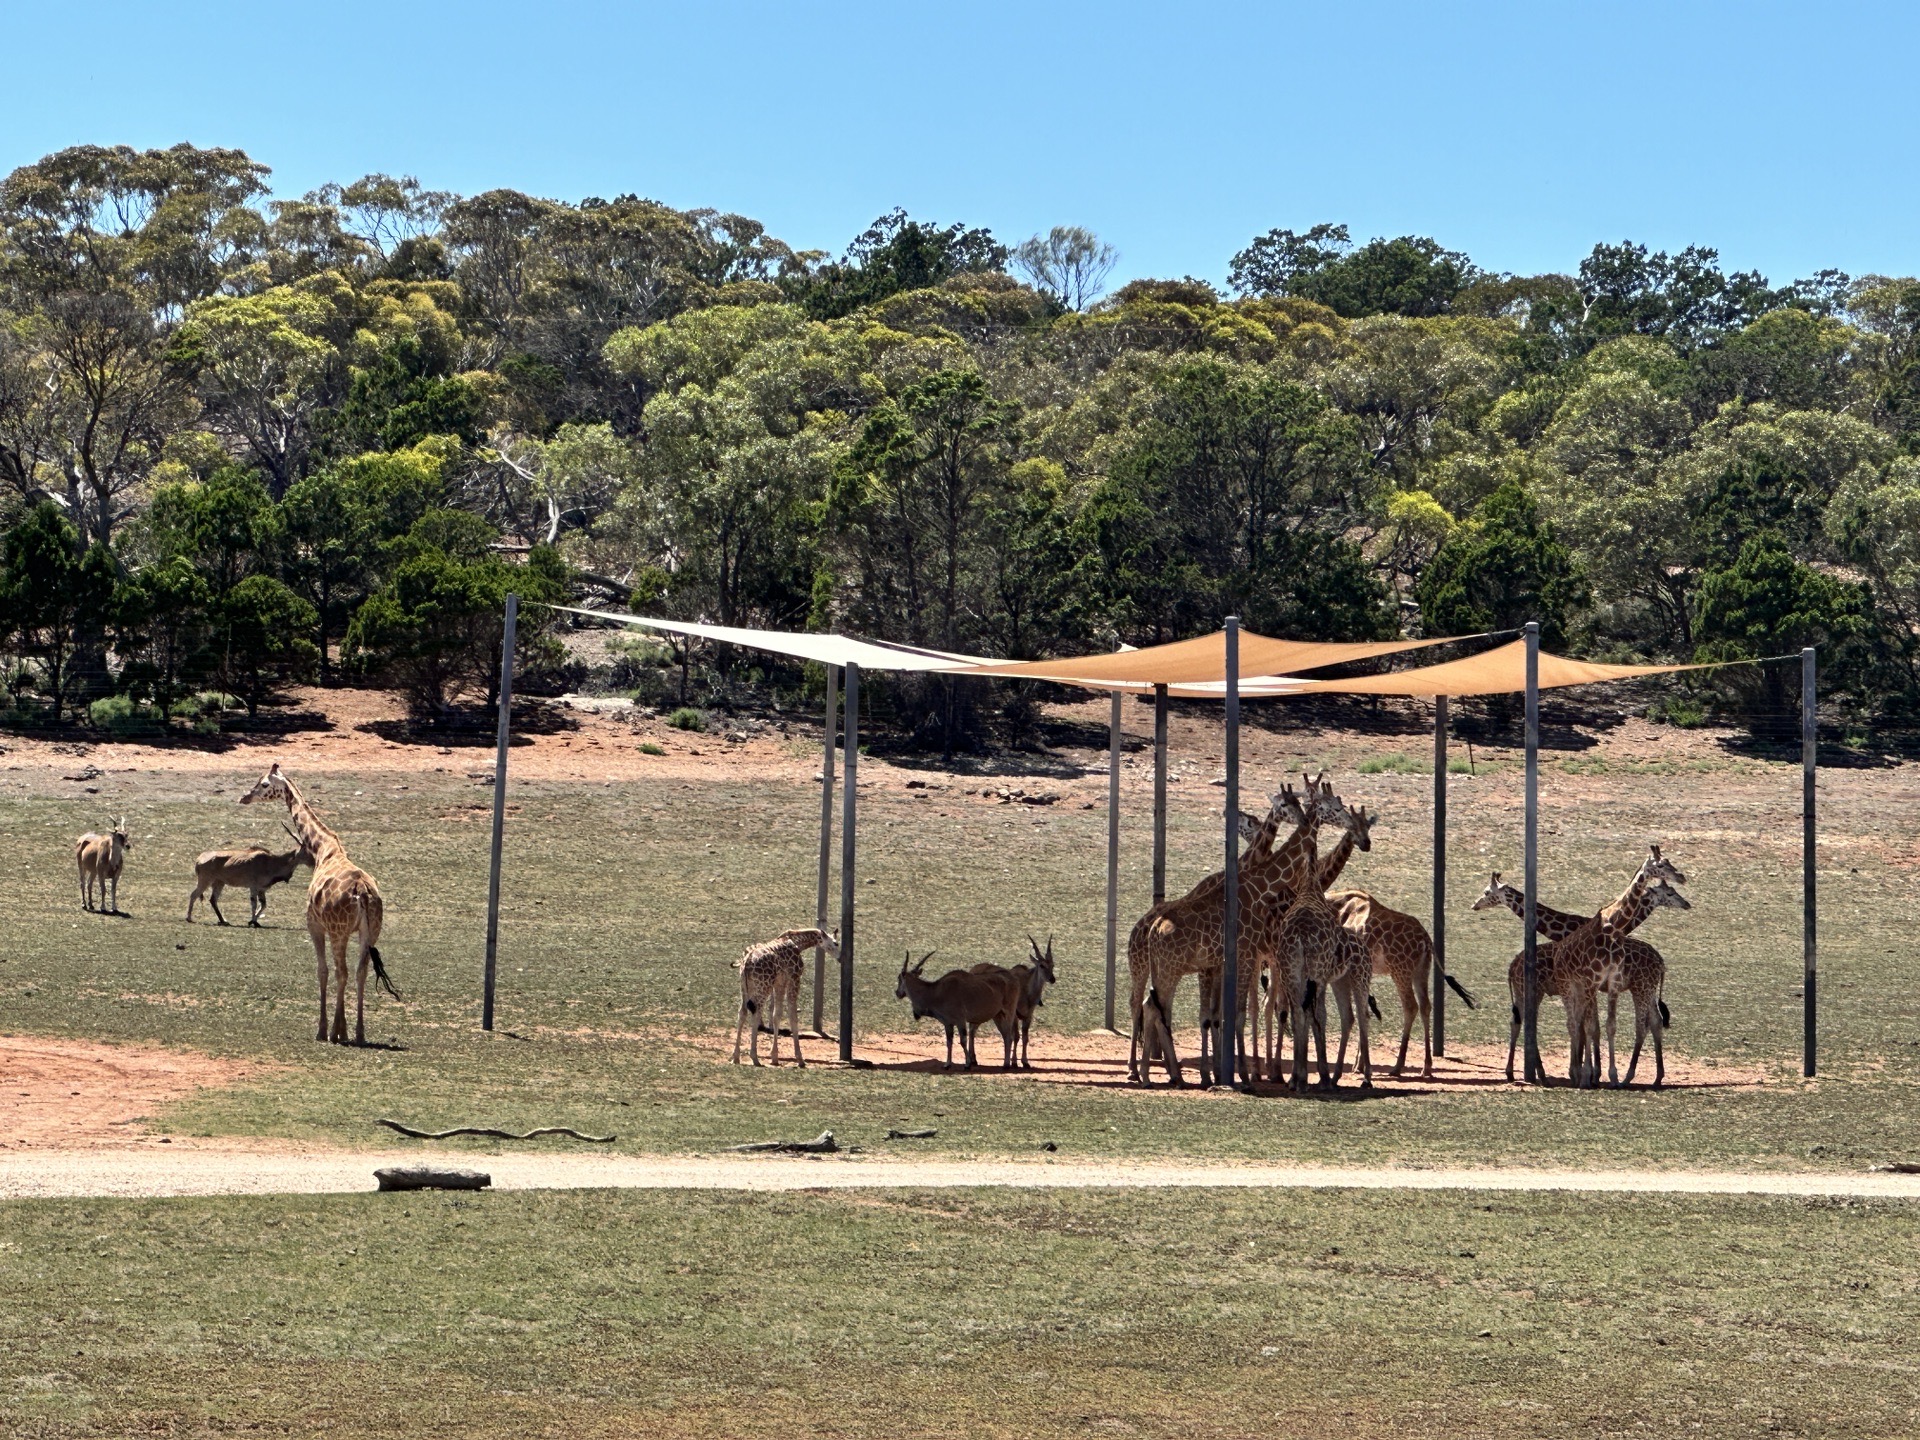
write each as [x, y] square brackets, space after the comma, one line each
[100, 858]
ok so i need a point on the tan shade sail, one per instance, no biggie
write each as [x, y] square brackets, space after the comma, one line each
[1201, 661]
[1499, 671]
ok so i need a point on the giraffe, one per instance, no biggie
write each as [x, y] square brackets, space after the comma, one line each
[1643, 971]
[1592, 957]
[771, 971]
[1182, 937]
[342, 902]
[1313, 952]
[1355, 835]
[1268, 892]
[1399, 947]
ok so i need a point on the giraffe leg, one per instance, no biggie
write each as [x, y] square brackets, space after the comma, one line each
[1409, 1007]
[1363, 1010]
[793, 1020]
[320, 966]
[1208, 1042]
[1300, 1022]
[1640, 1019]
[1659, 1057]
[1327, 1080]
[1423, 995]
[1613, 1064]
[1513, 1036]
[339, 1036]
[740, 1027]
[1344, 998]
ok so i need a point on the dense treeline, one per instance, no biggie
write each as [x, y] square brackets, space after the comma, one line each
[246, 441]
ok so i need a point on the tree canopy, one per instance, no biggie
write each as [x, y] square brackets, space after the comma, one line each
[246, 441]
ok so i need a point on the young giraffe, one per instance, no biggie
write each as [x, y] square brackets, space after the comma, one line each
[1399, 947]
[342, 902]
[1643, 971]
[770, 971]
[1357, 834]
[1593, 956]
[1315, 952]
[1177, 938]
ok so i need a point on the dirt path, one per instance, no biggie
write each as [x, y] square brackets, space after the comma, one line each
[51, 1174]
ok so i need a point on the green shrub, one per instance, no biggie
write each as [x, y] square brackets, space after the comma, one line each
[647, 747]
[119, 715]
[687, 718]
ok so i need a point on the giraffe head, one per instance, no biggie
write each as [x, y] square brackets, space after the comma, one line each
[1328, 808]
[1250, 826]
[1042, 960]
[830, 942]
[1661, 893]
[1494, 897]
[270, 786]
[1360, 826]
[1287, 804]
[1657, 867]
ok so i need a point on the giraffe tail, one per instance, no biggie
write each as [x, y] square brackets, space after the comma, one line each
[380, 973]
[1666, 1016]
[1374, 1006]
[1460, 990]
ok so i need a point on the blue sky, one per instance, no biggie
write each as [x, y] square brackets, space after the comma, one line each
[1784, 135]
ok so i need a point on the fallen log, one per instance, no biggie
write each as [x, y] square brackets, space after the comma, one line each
[488, 1130]
[1900, 1167]
[911, 1134]
[821, 1144]
[423, 1178]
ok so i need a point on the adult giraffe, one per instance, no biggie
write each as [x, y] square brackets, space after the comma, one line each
[1178, 938]
[342, 902]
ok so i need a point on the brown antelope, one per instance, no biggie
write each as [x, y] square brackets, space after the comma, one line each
[1033, 980]
[100, 858]
[962, 1000]
[254, 869]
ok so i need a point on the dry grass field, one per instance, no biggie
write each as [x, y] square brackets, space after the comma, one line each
[635, 878]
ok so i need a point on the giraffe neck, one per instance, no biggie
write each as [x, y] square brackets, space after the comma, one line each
[1331, 867]
[320, 842]
[1630, 911]
[1293, 864]
[1547, 921]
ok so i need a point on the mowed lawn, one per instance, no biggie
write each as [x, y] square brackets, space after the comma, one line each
[895, 1313]
[625, 902]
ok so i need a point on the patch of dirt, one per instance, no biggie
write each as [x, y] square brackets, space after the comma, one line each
[1099, 1058]
[77, 1095]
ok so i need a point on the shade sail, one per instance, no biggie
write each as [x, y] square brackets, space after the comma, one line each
[802, 645]
[1499, 671]
[1201, 661]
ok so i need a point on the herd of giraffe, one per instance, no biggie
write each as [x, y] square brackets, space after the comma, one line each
[1300, 939]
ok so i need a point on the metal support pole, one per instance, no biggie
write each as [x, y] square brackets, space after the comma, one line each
[1113, 852]
[1159, 793]
[849, 795]
[1438, 979]
[1227, 1040]
[1809, 878]
[1535, 1071]
[826, 846]
[499, 807]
